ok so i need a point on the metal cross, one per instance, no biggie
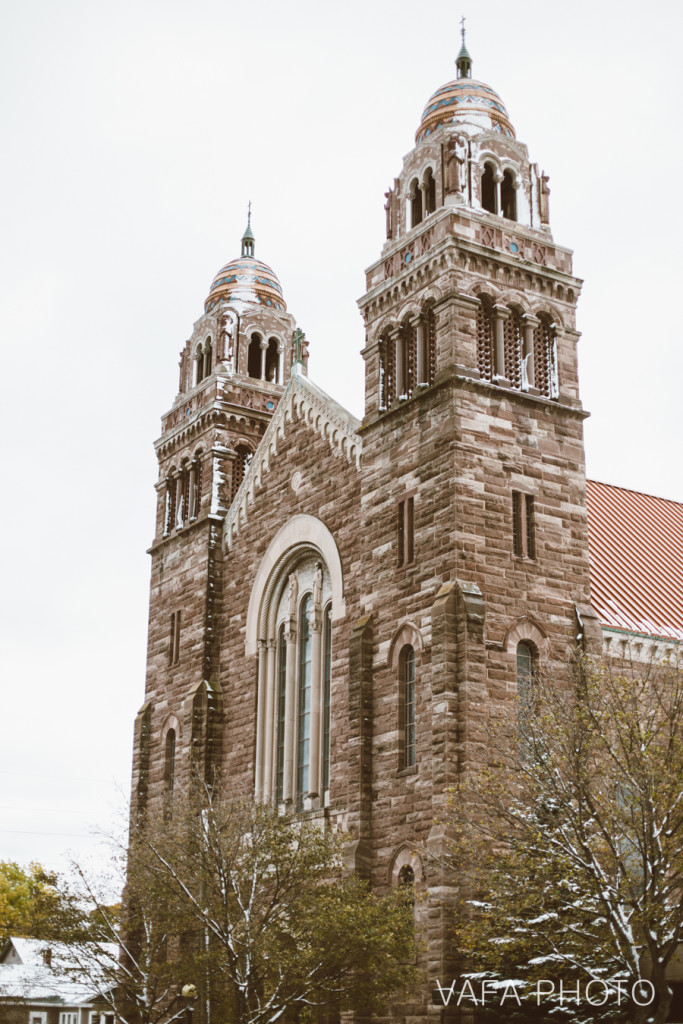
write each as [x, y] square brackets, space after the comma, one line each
[462, 29]
[298, 343]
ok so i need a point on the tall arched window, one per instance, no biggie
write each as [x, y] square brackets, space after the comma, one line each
[407, 706]
[169, 762]
[281, 698]
[327, 693]
[304, 702]
[406, 880]
[526, 659]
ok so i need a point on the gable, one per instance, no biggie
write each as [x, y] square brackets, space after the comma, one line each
[304, 402]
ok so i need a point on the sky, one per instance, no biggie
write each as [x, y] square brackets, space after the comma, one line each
[134, 135]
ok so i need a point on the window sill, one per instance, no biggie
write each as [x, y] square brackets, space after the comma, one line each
[410, 770]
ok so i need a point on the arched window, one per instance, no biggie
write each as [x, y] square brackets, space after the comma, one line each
[169, 762]
[430, 331]
[254, 357]
[387, 382]
[273, 362]
[488, 189]
[485, 349]
[415, 203]
[407, 706]
[281, 697]
[208, 355]
[304, 702]
[293, 736]
[545, 357]
[327, 693]
[508, 196]
[406, 880]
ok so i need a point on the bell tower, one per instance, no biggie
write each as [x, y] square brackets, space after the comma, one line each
[473, 489]
[233, 371]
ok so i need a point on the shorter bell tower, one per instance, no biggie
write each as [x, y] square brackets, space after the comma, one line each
[233, 371]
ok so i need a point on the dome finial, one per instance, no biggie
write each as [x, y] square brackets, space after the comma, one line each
[463, 61]
[248, 236]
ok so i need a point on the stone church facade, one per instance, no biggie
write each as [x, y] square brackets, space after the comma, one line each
[336, 604]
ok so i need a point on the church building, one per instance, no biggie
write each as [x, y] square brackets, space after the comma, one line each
[336, 603]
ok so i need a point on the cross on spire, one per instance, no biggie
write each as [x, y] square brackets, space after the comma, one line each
[463, 61]
[248, 236]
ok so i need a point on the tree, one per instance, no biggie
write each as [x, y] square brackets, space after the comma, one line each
[577, 836]
[34, 904]
[265, 915]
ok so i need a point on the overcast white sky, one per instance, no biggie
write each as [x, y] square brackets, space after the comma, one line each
[134, 135]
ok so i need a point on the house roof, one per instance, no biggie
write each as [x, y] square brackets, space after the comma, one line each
[25, 974]
[636, 555]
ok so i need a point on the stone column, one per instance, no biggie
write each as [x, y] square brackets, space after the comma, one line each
[281, 363]
[260, 721]
[193, 492]
[530, 323]
[424, 189]
[269, 723]
[500, 313]
[497, 181]
[264, 346]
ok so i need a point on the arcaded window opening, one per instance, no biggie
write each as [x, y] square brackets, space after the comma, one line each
[429, 191]
[198, 365]
[415, 203]
[254, 357]
[508, 196]
[208, 358]
[488, 189]
[272, 362]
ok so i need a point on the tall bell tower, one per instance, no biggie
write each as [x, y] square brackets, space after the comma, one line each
[475, 547]
[233, 370]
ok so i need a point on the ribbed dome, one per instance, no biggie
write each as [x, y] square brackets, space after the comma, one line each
[465, 103]
[247, 280]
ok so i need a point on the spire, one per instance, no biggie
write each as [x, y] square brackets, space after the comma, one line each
[463, 61]
[248, 237]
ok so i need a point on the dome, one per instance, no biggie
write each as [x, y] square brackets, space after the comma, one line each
[246, 280]
[465, 103]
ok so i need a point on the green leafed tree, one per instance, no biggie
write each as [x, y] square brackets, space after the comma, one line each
[574, 837]
[266, 924]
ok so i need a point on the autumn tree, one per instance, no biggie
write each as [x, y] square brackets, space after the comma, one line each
[34, 904]
[575, 841]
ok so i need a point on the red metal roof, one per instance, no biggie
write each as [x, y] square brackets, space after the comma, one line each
[636, 554]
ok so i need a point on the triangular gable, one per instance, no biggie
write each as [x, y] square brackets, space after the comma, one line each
[301, 399]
